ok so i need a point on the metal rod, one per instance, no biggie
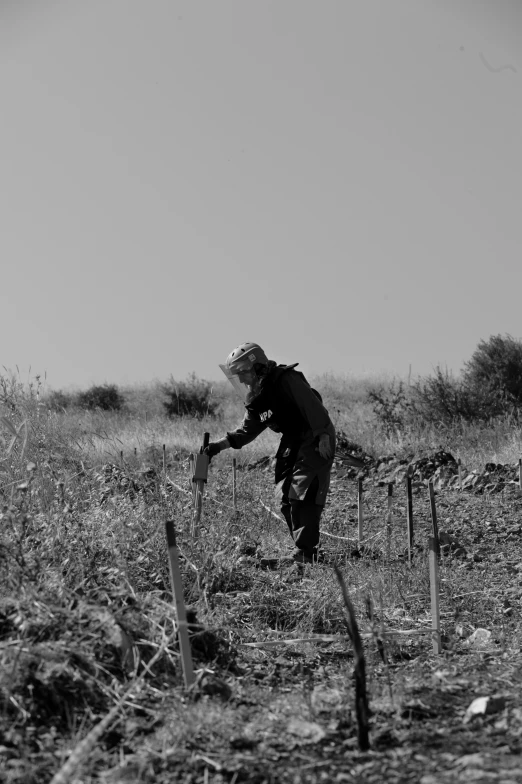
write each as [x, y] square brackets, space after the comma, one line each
[177, 591]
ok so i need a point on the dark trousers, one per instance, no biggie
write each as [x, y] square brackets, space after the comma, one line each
[303, 519]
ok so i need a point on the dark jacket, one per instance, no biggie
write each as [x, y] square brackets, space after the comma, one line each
[287, 404]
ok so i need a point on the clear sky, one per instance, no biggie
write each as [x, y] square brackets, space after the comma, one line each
[339, 180]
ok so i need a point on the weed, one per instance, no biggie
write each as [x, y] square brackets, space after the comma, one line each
[192, 397]
[106, 397]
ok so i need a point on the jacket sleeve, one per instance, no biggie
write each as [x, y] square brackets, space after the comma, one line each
[249, 429]
[309, 405]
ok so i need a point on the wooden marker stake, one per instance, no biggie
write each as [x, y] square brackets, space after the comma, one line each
[234, 483]
[199, 479]
[164, 461]
[191, 469]
[434, 592]
[459, 465]
[389, 520]
[177, 591]
[121, 457]
[409, 518]
[520, 473]
[434, 516]
[360, 514]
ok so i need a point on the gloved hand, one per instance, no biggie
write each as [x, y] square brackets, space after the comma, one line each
[213, 449]
[325, 446]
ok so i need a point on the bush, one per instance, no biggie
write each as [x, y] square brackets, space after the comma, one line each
[440, 399]
[495, 371]
[489, 387]
[391, 406]
[106, 397]
[443, 399]
[58, 400]
[192, 397]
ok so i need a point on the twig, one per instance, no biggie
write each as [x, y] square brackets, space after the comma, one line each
[82, 749]
[361, 697]
[323, 533]
[178, 487]
[353, 541]
[271, 512]
[335, 536]
[327, 638]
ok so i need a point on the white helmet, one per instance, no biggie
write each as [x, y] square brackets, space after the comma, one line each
[244, 357]
[243, 360]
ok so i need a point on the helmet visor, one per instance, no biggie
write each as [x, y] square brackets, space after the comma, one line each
[246, 384]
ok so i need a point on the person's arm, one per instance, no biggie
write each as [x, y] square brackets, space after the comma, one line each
[249, 429]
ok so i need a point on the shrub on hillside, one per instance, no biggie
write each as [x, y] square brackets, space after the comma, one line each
[192, 397]
[444, 399]
[440, 399]
[57, 400]
[495, 370]
[106, 397]
[489, 387]
[391, 405]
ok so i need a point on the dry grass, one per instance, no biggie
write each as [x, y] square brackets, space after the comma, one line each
[86, 600]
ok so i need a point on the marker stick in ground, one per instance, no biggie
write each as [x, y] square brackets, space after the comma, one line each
[409, 518]
[191, 475]
[234, 483]
[360, 514]
[520, 473]
[199, 479]
[434, 523]
[459, 466]
[434, 593]
[361, 694]
[389, 520]
[164, 460]
[177, 591]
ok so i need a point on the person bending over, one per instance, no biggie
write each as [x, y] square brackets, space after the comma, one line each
[279, 397]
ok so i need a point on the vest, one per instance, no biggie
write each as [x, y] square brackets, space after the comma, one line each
[273, 407]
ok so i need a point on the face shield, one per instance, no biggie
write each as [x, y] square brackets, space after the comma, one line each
[246, 383]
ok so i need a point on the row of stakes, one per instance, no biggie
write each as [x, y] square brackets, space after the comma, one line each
[199, 464]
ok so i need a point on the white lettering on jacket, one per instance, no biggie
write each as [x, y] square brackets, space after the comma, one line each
[265, 415]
